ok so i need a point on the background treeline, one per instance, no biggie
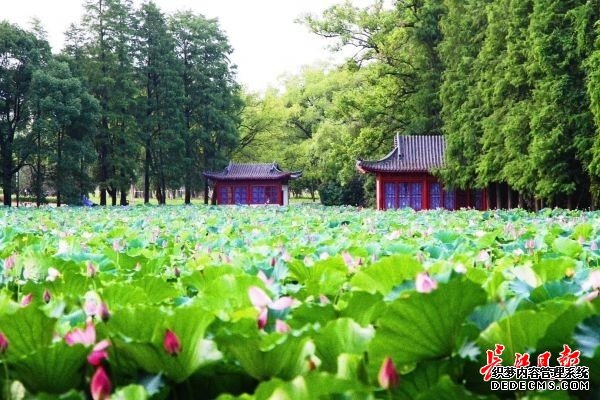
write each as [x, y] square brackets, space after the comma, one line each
[514, 85]
[135, 96]
[140, 97]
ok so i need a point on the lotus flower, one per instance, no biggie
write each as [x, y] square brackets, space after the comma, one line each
[53, 274]
[103, 312]
[388, 376]
[91, 304]
[483, 256]
[9, 263]
[592, 281]
[424, 283]
[3, 343]
[171, 343]
[262, 302]
[267, 281]
[47, 296]
[91, 269]
[25, 300]
[281, 326]
[263, 316]
[98, 353]
[86, 337]
[100, 386]
[258, 297]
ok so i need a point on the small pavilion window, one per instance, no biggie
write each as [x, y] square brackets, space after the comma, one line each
[435, 195]
[241, 195]
[258, 195]
[226, 197]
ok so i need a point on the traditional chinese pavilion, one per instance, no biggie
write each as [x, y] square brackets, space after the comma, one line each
[252, 184]
[404, 178]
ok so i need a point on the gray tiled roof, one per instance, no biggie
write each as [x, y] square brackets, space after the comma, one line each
[252, 171]
[410, 154]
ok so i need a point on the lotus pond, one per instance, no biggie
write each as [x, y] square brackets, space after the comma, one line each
[303, 302]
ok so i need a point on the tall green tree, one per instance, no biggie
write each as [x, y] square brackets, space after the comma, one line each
[211, 96]
[162, 122]
[21, 54]
[105, 40]
[62, 132]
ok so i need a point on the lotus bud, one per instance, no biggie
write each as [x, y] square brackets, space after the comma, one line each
[281, 326]
[171, 343]
[91, 269]
[425, 284]
[262, 318]
[9, 263]
[177, 272]
[388, 376]
[103, 312]
[3, 343]
[100, 386]
[25, 300]
[47, 296]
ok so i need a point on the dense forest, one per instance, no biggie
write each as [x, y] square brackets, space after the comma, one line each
[514, 85]
[135, 97]
[139, 97]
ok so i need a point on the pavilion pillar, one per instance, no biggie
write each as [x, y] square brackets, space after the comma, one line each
[286, 195]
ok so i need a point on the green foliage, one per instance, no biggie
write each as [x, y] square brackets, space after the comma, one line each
[351, 276]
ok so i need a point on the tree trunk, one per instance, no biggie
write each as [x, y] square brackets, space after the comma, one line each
[488, 197]
[498, 197]
[570, 202]
[205, 191]
[213, 198]
[59, 182]
[188, 195]
[508, 197]
[7, 179]
[520, 197]
[123, 197]
[113, 197]
[147, 176]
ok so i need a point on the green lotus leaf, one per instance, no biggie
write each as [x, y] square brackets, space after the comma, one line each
[386, 273]
[423, 326]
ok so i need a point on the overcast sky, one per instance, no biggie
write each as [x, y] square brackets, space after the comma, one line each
[267, 43]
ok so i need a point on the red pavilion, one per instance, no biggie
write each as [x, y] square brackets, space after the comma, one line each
[404, 177]
[252, 184]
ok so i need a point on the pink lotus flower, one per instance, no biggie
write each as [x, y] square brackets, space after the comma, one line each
[350, 262]
[86, 337]
[388, 376]
[593, 246]
[258, 297]
[262, 302]
[25, 300]
[263, 317]
[91, 303]
[592, 281]
[267, 281]
[171, 343]
[91, 269]
[100, 386]
[323, 299]
[530, 244]
[116, 245]
[53, 274]
[103, 312]
[3, 343]
[98, 353]
[483, 256]
[424, 283]
[9, 263]
[47, 296]
[281, 326]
